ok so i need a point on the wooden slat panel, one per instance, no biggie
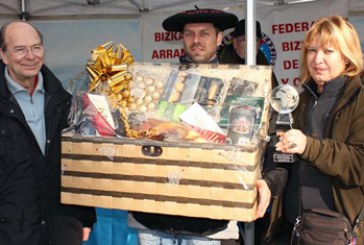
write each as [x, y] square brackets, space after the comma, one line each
[194, 210]
[161, 189]
[169, 153]
[237, 176]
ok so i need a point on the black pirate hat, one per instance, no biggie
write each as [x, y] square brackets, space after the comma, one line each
[222, 20]
[240, 29]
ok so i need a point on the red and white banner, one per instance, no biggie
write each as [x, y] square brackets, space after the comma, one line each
[284, 27]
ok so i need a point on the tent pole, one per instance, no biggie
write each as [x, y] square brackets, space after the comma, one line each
[250, 40]
[24, 14]
[250, 34]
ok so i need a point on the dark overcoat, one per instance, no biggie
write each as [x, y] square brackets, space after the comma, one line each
[29, 180]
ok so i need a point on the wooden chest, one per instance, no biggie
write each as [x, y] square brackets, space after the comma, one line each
[196, 180]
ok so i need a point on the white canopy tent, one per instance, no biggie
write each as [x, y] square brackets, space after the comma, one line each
[51, 9]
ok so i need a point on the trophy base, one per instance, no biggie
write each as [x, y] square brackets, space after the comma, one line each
[284, 157]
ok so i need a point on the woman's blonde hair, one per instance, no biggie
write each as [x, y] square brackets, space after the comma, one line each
[338, 32]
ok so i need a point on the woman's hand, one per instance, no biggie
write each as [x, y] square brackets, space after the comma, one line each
[292, 141]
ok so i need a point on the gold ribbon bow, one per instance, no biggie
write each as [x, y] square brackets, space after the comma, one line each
[108, 71]
[109, 74]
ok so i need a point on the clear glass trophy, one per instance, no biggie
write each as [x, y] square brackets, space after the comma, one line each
[284, 100]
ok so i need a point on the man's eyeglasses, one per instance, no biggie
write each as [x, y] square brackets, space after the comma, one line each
[22, 51]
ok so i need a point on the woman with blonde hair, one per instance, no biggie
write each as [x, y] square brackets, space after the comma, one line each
[328, 128]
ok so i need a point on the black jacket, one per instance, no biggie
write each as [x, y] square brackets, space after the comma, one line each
[29, 180]
[227, 55]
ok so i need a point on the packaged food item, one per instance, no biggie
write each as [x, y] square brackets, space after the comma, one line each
[185, 87]
[168, 131]
[199, 120]
[97, 108]
[233, 100]
[244, 119]
[146, 88]
[243, 88]
[241, 127]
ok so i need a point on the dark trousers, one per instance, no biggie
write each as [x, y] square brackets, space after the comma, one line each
[282, 237]
[68, 231]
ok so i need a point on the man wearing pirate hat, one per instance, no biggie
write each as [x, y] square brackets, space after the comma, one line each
[202, 32]
[235, 52]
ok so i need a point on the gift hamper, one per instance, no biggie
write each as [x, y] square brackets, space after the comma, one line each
[182, 140]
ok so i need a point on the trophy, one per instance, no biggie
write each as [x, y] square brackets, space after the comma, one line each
[284, 99]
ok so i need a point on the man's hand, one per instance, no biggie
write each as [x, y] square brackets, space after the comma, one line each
[264, 196]
[86, 233]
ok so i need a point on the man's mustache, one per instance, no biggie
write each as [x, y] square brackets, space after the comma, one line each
[197, 46]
